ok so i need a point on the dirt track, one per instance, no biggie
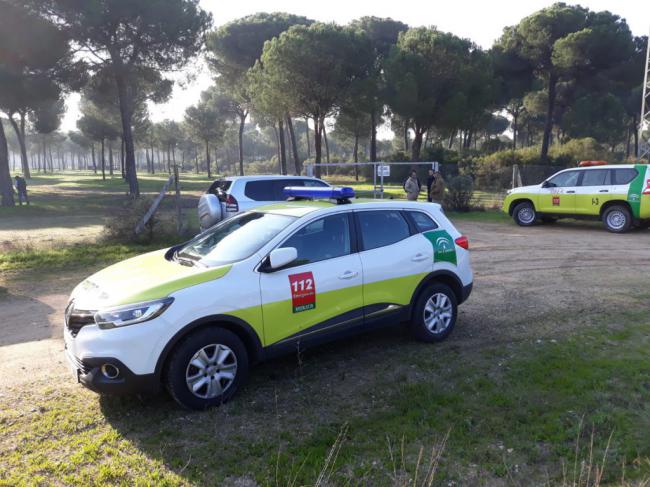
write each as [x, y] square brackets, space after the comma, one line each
[527, 282]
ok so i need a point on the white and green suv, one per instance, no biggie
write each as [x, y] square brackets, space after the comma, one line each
[273, 280]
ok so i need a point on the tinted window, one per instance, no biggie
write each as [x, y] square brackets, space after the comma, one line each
[260, 190]
[569, 178]
[596, 177]
[381, 228]
[322, 239]
[423, 222]
[624, 176]
[237, 238]
[314, 183]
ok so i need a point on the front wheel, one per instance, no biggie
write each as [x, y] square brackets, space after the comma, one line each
[207, 368]
[524, 214]
[617, 219]
[434, 315]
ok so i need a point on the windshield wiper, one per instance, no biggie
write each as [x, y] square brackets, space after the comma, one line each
[183, 260]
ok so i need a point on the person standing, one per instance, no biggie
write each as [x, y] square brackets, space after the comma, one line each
[430, 179]
[412, 187]
[21, 189]
[437, 190]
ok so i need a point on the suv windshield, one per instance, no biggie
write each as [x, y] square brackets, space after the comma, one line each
[235, 239]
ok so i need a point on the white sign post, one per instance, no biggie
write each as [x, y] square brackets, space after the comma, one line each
[383, 171]
[435, 165]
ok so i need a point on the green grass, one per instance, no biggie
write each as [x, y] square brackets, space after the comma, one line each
[80, 255]
[513, 414]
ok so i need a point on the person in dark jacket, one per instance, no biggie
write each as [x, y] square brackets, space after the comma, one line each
[430, 180]
[21, 189]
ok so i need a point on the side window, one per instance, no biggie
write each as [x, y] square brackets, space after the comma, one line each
[596, 177]
[423, 222]
[322, 239]
[259, 190]
[280, 184]
[624, 176]
[314, 183]
[565, 179]
[381, 228]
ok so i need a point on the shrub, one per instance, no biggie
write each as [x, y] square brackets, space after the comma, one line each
[121, 226]
[459, 194]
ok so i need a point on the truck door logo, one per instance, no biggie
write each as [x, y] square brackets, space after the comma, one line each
[556, 201]
[303, 291]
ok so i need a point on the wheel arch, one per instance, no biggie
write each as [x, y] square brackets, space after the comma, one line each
[517, 201]
[239, 327]
[611, 203]
[444, 277]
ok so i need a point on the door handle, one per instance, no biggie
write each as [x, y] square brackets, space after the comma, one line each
[604, 191]
[419, 257]
[348, 275]
[570, 192]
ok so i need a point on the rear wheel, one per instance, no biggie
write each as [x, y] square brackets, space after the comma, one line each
[524, 214]
[434, 315]
[617, 219]
[207, 368]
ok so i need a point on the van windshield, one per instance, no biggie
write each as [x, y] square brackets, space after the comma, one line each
[235, 239]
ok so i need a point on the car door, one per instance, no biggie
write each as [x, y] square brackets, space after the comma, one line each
[322, 290]
[594, 191]
[558, 194]
[394, 257]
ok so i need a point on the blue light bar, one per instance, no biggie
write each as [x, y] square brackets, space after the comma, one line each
[301, 192]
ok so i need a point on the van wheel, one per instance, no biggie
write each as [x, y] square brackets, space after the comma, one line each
[617, 219]
[206, 368]
[434, 315]
[524, 214]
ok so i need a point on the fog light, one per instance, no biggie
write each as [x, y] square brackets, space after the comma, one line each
[110, 371]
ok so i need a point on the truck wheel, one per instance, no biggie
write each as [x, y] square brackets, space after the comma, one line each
[206, 368]
[524, 214]
[617, 219]
[434, 315]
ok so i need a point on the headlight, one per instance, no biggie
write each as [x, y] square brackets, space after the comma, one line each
[131, 314]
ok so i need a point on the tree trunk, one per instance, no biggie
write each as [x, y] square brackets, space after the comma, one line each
[20, 135]
[406, 136]
[126, 113]
[103, 162]
[122, 157]
[242, 122]
[110, 157]
[416, 147]
[294, 147]
[635, 129]
[356, 156]
[307, 137]
[327, 145]
[317, 146]
[550, 108]
[207, 158]
[6, 188]
[628, 143]
[373, 140]
[283, 148]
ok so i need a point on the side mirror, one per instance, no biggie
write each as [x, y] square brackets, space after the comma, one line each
[546, 184]
[280, 257]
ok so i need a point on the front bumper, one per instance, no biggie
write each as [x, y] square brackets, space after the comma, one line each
[88, 372]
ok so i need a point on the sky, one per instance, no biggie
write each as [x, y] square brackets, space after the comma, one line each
[480, 21]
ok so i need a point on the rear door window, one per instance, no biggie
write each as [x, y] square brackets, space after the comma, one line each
[596, 177]
[263, 190]
[423, 222]
[624, 176]
[381, 228]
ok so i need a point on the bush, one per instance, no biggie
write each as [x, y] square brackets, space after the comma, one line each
[121, 226]
[459, 194]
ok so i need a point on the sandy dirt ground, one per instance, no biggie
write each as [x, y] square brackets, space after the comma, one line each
[565, 272]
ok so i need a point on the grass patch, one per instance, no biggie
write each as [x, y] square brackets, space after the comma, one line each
[516, 414]
[489, 216]
[80, 255]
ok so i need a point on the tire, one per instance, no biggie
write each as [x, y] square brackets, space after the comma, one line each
[617, 219]
[424, 326]
[524, 214]
[216, 374]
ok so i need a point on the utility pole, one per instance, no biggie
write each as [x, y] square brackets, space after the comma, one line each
[644, 121]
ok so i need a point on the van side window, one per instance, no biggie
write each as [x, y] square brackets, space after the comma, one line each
[381, 228]
[624, 176]
[260, 190]
[565, 179]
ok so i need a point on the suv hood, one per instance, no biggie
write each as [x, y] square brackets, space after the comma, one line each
[142, 278]
[524, 189]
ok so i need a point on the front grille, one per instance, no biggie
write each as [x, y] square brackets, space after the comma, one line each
[79, 364]
[76, 319]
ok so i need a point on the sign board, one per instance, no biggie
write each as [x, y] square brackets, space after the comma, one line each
[435, 165]
[383, 171]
